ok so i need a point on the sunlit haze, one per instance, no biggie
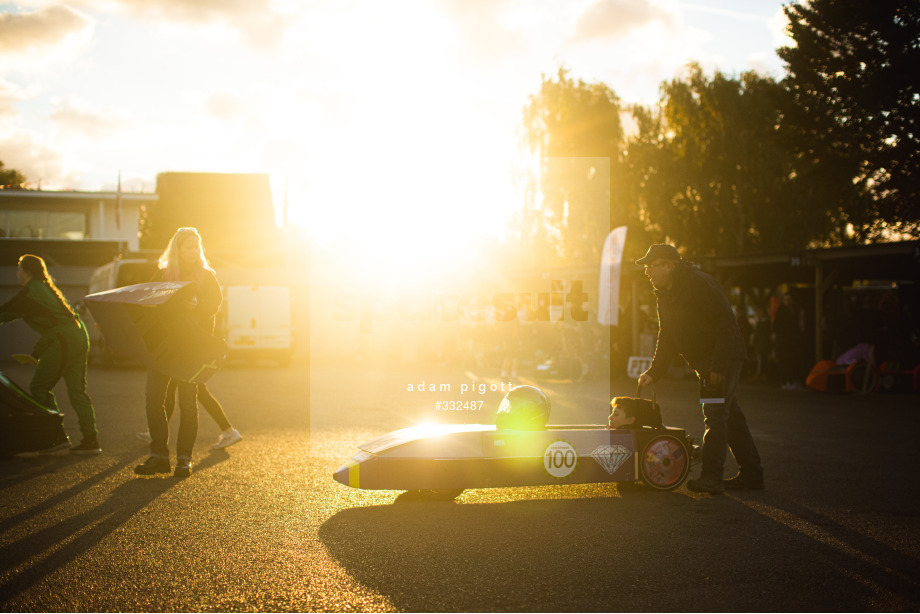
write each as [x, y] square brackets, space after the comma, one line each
[395, 124]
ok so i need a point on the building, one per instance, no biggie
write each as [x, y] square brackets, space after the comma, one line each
[74, 216]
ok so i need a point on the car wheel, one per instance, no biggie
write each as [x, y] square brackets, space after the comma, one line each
[665, 462]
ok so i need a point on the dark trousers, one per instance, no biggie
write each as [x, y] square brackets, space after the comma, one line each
[726, 428]
[157, 383]
[207, 400]
[66, 359]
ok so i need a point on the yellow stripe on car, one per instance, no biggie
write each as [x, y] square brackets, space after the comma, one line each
[354, 474]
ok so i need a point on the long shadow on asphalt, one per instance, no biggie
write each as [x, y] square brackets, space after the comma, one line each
[892, 573]
[645, 551]
[16, 471]
[30, 559]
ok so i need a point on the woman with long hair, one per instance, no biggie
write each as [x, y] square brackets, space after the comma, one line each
[183, 260]
[62, 348]
[171, 264]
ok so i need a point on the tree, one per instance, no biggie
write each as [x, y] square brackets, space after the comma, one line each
[11, 179]
[852, 73]
[719, 166]
[713, 170]
[573, 130]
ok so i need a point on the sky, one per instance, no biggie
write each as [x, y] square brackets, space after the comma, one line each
[405, 114]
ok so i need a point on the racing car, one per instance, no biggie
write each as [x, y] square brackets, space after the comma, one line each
[442, 460]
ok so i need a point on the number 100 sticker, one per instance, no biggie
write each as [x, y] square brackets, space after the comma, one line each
[560, 459]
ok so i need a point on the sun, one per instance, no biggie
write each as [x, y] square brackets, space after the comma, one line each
[420, 186]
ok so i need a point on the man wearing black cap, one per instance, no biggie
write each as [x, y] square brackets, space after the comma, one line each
[696, 321]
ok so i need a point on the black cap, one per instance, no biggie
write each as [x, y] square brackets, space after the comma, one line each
[661, 251]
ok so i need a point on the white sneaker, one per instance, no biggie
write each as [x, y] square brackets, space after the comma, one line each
[227, 438]
[145, 436]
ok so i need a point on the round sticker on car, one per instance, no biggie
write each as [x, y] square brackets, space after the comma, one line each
[560, 459]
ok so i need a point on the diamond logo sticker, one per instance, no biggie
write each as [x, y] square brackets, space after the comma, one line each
[611, 457]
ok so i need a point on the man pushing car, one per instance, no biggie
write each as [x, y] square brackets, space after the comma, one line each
[697, 322]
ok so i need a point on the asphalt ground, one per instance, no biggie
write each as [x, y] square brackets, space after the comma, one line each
[262, 526]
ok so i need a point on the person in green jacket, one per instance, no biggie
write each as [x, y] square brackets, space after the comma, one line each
[62, 348]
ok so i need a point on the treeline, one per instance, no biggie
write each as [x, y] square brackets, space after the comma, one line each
[10, 179]
[828, 155]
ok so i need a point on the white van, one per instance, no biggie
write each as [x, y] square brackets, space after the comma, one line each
[258, 323]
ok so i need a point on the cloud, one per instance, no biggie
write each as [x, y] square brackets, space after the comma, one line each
[467, 9]
[226, 105]
[38, 162]
[236, 110]
[777, 25]
[487, 28]
[613, 19]
[631, 45]
[763, 63]
[256, 20]
[199, 10]
[252, 18]
[75, 116]
[635, 45]
[43, 28]
[10, 94]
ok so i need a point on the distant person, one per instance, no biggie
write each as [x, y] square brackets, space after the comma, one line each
[62, 348]
[697, 322]
[788, 334]
[760, 344]
[228, 435]
[747, 334]
[183, 260]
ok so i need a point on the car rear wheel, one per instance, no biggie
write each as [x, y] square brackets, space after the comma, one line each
[665, 462]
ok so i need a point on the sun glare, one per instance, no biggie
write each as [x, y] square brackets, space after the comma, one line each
[409, 161]
[412, 188]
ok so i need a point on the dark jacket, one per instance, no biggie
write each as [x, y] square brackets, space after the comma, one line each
[208, 295]
[695, 321]
[209, 300]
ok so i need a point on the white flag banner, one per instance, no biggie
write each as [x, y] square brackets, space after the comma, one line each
[608, 296]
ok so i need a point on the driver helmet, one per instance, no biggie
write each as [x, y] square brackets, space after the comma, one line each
[523, 408]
